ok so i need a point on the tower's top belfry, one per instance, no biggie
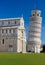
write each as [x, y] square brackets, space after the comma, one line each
[36, 12]
[36, 16]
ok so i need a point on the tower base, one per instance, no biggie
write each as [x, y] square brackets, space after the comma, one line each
[33, 48]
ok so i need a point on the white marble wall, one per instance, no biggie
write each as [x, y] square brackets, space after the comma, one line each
[12, 34]
[34, 36]
[21, 40]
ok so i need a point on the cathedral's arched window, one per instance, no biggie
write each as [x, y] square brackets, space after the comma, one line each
[13, 30]
[10, 31]
[6, 31]
[15, 22]
[9, 22]
[2, 31]
[3, 41]
[22, 33]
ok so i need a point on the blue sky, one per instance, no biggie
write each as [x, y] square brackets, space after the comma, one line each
[17, 8]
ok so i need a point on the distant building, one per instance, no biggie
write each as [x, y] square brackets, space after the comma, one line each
[12, 35]
[34, 36]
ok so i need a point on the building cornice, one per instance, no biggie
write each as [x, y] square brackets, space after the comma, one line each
[11, 18]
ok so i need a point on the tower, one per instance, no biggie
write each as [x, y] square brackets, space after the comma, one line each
[34, 36]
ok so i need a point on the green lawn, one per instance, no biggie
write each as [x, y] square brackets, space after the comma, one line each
[22, 59]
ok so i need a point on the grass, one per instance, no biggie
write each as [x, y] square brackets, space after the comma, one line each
[22, 59]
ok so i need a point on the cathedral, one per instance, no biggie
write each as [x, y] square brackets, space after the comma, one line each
[12, 35]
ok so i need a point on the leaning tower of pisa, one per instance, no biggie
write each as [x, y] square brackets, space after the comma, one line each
[34, 36]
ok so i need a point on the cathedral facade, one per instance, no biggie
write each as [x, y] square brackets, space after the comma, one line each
[12, 35]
